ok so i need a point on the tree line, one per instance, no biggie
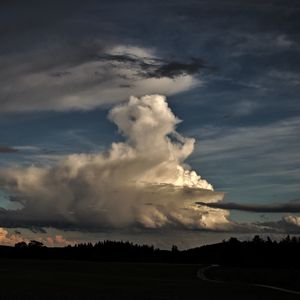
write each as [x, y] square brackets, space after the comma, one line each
[255, 252]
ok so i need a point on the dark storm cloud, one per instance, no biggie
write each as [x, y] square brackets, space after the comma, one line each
[85, 222]
[23, 218]
[290, 207]
[173, 69]
[157, 68]
[89, 222]
[60, 74]
[37, 229]
[6, 149]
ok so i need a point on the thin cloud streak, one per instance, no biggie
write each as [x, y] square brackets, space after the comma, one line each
[290, 207]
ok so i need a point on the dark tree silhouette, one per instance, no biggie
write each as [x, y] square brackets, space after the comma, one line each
[257, 252]
[35, 244]
[21, 245]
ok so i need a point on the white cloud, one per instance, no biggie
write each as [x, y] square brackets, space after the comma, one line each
[143, 181]
[33, 85]
[57, 240]
[293, 220]
[10, 239]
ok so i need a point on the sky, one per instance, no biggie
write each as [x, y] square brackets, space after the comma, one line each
[160, 122]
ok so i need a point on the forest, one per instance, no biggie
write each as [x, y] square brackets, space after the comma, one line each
[256, 252]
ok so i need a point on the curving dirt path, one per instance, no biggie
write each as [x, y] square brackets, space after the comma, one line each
[201, 275]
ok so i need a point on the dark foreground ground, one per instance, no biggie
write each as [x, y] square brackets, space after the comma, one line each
[288, 278]
[34, 279]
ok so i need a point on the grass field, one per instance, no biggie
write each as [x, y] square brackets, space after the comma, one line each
[34, 279]
[284, 277]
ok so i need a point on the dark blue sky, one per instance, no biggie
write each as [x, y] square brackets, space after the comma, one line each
[230, 70]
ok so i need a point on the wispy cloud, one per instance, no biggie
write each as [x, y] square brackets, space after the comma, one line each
[229, 139]
[109, 76]
[252, 163]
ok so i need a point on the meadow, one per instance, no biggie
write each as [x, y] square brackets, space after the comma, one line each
[51, 279]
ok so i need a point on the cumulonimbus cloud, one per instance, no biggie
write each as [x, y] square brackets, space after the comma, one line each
[142, 182]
